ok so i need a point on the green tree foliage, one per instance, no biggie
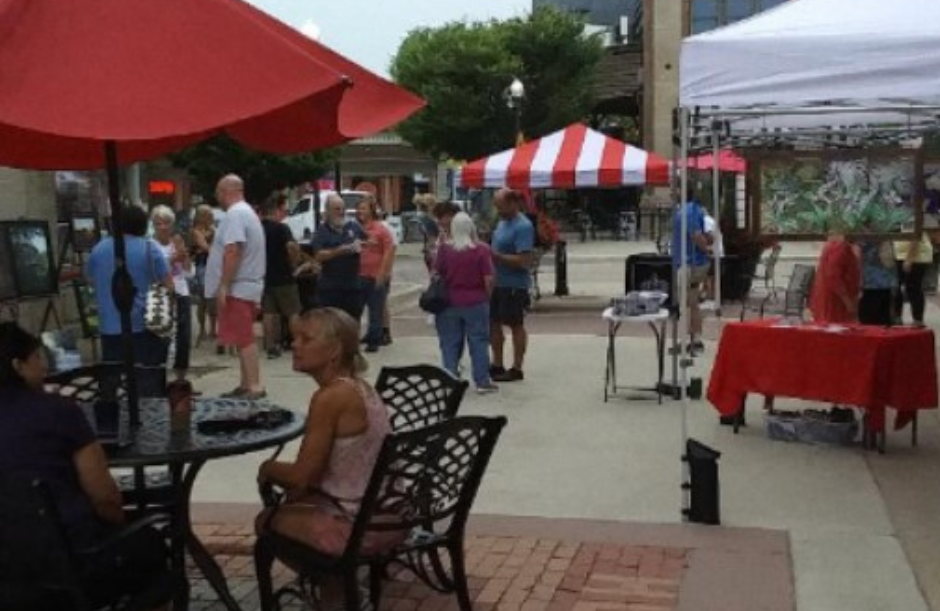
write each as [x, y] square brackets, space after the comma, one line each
[463, 70]
[263, 173]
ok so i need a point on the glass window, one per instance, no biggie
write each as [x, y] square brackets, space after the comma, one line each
[704, 25]
[766, 4]
[735, 10]
[704, 10]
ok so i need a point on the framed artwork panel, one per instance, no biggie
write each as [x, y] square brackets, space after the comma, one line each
[867, 193]
[31, 262]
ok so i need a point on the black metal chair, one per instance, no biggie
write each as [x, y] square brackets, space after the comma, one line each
[796, 296]
[423, 483]
[419, 395]
[39, 568]
[142, 489]
[766, 272]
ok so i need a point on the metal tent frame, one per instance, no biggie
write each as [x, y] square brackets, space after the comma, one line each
[834, 124]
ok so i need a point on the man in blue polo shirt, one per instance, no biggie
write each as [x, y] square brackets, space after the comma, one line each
[512, 244]
[697, 250]
[336, 246]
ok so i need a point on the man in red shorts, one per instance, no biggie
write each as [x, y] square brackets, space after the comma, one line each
[235, 278]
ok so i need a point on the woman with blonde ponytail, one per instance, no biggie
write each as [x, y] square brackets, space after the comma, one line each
[346, 425]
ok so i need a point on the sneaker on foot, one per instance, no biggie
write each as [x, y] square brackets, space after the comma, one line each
[497, 370]
[236, 393]
[487, 389]
[274, 353]
[372, 348]
[386, 337]
[509, 375]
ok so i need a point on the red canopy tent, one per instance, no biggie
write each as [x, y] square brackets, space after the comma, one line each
[97, 83]
[728, 161]
[567, 159]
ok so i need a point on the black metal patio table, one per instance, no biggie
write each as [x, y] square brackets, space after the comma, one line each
[186, 450]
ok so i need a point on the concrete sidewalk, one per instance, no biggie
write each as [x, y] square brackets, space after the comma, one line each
[851, 529]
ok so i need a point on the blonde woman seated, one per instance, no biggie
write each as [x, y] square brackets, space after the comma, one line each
[346, 425]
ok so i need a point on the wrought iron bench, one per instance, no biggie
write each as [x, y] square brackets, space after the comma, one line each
[417, 396]
[423, 484]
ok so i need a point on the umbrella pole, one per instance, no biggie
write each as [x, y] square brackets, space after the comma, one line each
[122, 287]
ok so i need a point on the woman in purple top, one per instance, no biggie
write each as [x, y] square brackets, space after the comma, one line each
[466, 267]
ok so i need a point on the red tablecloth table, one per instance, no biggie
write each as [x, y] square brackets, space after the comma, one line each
[862, 366]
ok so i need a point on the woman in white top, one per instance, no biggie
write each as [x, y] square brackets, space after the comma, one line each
[181, 270]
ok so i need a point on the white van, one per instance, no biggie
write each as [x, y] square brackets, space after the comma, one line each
[304, 216]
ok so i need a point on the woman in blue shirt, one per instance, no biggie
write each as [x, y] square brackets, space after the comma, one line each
[879, 281]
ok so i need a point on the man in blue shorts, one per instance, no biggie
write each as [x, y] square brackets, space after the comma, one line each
[512, 244]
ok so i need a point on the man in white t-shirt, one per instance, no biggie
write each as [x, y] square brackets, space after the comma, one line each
[713, 233]
[235, 278]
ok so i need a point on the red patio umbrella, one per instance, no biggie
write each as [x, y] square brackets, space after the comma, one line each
[98, 83]
[153, 76]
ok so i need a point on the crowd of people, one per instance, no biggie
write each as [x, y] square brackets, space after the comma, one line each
[868, 281]
[247, 264]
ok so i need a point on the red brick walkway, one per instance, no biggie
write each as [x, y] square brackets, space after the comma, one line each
[505, 573]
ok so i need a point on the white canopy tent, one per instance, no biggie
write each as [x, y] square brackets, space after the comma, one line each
[858, 53]
[808, 66]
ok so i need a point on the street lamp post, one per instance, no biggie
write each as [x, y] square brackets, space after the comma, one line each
[514, 95]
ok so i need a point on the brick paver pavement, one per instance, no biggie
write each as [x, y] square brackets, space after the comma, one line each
[505, 573]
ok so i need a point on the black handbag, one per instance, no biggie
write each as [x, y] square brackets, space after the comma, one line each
[434, 298]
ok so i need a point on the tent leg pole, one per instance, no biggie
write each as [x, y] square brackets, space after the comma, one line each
[683, 292]
[716, 207]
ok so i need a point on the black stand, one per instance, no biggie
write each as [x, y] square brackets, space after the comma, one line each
[561, 268]
[703, 467]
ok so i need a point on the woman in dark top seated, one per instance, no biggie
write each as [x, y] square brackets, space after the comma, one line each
[46, 437]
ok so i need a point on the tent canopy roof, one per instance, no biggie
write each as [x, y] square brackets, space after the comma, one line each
[573, 157]
[862, 54]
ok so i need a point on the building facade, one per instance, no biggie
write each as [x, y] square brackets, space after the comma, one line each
[392, 169]
[655, 29]
[664, 25]
[597, 12]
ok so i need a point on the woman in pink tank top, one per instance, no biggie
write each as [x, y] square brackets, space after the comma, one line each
[346, 425]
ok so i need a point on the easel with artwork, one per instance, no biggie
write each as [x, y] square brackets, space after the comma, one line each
[76, 238]
[27, 265]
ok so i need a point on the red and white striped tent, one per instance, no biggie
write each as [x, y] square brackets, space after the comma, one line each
[567, 159]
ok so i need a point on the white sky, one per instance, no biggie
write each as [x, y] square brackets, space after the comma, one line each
[370, 31]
